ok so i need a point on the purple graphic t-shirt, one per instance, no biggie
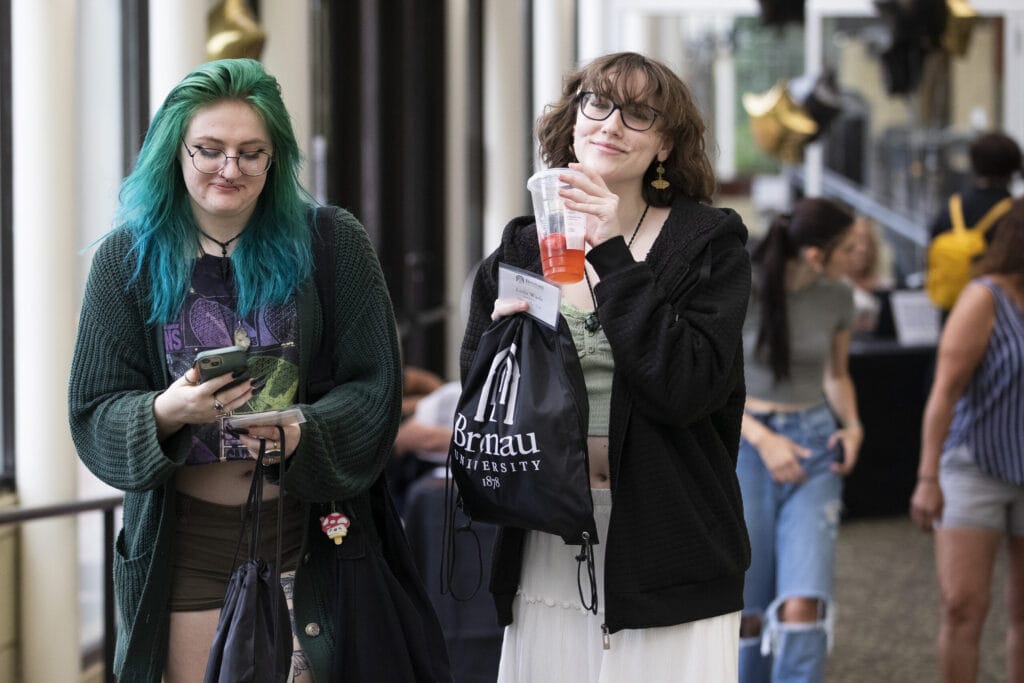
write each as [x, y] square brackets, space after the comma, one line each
[208, 320]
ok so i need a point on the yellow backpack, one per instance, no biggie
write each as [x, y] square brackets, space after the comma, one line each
[951, 254]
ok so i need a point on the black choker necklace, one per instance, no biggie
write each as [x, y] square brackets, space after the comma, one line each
[592, 323]
[223, 245]
[225, 264]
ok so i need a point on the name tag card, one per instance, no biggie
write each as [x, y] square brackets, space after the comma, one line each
[543, 297]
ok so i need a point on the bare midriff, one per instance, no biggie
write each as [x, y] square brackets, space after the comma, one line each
[600, 472]
[759, 405]
[224, 483]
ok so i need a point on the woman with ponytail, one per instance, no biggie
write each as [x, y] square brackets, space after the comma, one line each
[793, 454]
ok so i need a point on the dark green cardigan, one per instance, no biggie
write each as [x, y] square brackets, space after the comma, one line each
[118, 370]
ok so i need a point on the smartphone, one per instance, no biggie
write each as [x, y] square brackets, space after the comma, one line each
[216, 362]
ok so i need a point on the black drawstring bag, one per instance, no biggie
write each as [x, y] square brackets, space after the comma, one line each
[518, 453]
[253, 641]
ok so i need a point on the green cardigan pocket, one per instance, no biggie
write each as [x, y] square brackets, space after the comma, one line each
[129, 579]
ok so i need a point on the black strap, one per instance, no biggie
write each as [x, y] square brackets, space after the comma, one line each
[586, 556]
[449, 539]
[320, 379]
[276, 573]
[254, 503]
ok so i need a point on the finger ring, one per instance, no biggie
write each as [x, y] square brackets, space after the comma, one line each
[218, 405]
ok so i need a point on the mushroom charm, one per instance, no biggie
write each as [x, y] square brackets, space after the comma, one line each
[335, 525]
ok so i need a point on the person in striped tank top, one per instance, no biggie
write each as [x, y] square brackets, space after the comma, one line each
[970, 486]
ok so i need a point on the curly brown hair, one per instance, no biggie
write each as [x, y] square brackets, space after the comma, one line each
[687, 168]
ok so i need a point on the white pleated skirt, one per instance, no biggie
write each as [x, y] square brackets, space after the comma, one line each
[552, 638]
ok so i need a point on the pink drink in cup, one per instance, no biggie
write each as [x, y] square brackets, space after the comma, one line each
[560, 231]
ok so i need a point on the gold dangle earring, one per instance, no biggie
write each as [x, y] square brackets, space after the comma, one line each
[660, 183]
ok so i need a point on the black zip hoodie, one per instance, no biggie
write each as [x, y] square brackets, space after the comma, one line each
[677, 545]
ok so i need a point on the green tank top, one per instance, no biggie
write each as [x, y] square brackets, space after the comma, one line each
[596, 361]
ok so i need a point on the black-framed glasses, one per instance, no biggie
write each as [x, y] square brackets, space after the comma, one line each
[638, 117]
[210, 161]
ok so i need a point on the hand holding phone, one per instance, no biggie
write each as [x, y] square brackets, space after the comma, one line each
[216, 362]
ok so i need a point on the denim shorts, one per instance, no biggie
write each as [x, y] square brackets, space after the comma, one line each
[792, 527]
[973, 499]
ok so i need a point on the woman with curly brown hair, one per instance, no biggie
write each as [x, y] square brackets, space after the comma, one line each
[657, 325]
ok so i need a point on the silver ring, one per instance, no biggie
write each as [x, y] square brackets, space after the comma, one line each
[218, 405]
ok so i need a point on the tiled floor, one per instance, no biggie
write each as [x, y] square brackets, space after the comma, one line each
[888, 608]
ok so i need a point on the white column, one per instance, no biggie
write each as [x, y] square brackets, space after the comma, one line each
[506, 107]
[177, 44]
[98, 123]
[287, 55]
[814, 158]
[457, 260]
[636, 31]
[44, 124]
[590, 29]
[98, 176]
[553, 54]
[724, 155]
[1013, 75]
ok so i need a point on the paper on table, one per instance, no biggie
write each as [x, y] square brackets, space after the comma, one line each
[916, 319]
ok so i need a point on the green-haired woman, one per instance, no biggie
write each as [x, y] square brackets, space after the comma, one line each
[213, 247]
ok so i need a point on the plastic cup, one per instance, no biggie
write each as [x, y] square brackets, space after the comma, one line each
[560, 231]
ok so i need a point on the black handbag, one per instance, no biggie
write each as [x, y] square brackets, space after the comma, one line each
[253, 641]
[518, 453]
[384, 623]
[386, 627]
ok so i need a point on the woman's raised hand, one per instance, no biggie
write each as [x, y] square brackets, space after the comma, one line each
[590, 195]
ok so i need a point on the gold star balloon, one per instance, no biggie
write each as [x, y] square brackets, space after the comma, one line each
[780, 127]
[960, 18]
[232, 31]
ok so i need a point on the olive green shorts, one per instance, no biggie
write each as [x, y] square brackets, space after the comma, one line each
[209, 543]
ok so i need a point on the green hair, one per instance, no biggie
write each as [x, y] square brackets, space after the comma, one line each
[273, 255]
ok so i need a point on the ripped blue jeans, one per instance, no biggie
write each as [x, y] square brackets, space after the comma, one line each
[792, 531]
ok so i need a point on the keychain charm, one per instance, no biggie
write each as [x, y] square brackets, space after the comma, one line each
[335, 525]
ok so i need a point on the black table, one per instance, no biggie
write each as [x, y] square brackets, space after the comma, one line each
[892, 383]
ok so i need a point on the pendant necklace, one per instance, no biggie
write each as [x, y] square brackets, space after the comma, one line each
[592, 323]
[241, 337]
[225, 263]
